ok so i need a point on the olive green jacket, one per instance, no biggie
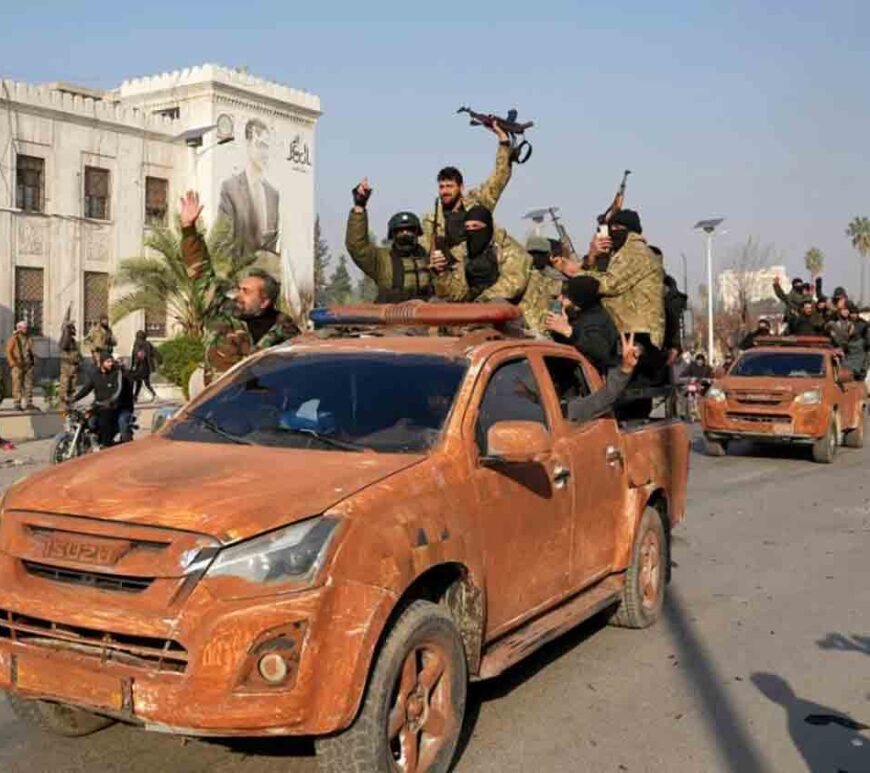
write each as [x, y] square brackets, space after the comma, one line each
[514, 264]
[543, 288]
[377, 262]
[631, 290]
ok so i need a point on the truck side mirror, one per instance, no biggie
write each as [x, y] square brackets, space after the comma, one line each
[517, 442]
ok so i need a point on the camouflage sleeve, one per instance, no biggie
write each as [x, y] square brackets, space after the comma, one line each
[621, 276]
[778, 291]
[492, 188]
[515, 265]
[359, 246]
[194, 252]
[451, 285]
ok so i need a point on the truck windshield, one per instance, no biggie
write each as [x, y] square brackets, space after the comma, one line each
[347, 402]
[781, 364]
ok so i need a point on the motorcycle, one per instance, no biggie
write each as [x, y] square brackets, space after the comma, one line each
[693, 390]
[78, 437]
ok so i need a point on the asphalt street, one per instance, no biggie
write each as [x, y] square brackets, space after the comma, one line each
[759, 664]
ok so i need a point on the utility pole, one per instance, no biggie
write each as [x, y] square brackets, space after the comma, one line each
[708, 227]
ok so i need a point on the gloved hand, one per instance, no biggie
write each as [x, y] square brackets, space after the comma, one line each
[361, 193]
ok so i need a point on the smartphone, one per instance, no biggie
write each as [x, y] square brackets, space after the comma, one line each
[556, 306]
[603, 230]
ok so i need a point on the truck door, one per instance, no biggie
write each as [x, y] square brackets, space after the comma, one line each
[598, 483]
[524, 510]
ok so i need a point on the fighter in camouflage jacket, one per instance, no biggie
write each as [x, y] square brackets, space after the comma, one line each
[230, 339]
[631, 290]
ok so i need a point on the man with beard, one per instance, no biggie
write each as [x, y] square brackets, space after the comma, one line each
[447, 223]
[401, 271]
[113, 400]
[255, 322]
[807, 322]
[545, 283]
[495, 268]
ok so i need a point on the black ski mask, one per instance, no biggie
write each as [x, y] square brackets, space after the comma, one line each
[405, 242]
[478, 241]
[630, 221]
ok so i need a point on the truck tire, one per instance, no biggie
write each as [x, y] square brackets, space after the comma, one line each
[855, 437]
[825, 448]
[414, 704]
[57, 718]
[646, 577]
[715, 447]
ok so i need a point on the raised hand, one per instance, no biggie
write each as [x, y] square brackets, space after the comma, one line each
[630, 353]
[190, 209]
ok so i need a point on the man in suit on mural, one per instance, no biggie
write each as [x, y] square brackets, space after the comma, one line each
[250, 203]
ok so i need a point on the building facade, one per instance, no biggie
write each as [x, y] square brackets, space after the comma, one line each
[85, 174]
[751, 287]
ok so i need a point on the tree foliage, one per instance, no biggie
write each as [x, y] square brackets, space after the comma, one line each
[340, 289]
[858, 232]
[322, 259]
[814, 260]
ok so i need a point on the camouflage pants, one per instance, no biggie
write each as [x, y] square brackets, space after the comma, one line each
[22, 385]
[68, 374]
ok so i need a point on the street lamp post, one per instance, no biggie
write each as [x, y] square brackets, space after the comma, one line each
[708, 227]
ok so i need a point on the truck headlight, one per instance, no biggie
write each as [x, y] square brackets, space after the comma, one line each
[290, 555]
[715, 394]
[811, 397]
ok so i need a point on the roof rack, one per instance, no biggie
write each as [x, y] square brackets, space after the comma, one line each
[823, 342]
[419, 314]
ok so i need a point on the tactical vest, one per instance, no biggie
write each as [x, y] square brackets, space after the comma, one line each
[481, 271]
[414, 267]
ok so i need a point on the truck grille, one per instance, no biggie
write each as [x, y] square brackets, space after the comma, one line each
[151, 653]
[762, 418]
[760, 398]
[110, 582]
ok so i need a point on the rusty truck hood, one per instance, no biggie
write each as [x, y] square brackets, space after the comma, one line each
[230, 492]
[768, 384]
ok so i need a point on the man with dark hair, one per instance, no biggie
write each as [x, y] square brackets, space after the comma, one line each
[401, 271]
[249, 204]
[762, 329]
[113, 400]
[447, 223]
[254, 323]
[793, 300]
[496, 267]
[807, 322]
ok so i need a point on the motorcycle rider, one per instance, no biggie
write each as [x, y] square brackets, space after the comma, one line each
[113, 401]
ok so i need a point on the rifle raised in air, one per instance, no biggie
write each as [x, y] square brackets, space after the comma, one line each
[618, 201]
[520, 151]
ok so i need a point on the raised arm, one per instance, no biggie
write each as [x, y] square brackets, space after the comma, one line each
[194, 251]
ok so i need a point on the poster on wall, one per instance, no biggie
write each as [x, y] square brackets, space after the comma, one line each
[264, 181]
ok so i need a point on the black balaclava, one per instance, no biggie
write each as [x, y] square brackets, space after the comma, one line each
[582, 291]
[540, 260]
[405, 242]
[631, 222]
[478, 241]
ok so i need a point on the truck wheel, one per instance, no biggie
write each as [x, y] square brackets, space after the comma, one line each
[414, 705]
[715, 447]
[855, 437]
[57, 718]
[825, 447]
[644, 591]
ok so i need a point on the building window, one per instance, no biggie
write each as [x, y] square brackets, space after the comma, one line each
[96, 193]
[156, 195]
[29, 298]
[30, 183]
[96, 297]
[169, 112]
[155, 323]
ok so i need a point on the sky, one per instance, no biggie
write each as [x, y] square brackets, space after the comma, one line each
[753, 111]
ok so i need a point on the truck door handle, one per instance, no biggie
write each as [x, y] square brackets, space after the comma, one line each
[612, 455]
[560, 475]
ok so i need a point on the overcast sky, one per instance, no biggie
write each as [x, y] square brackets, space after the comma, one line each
[755, 111]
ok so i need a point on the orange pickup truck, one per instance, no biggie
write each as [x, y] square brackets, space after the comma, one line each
[331, 540]
[786, 390]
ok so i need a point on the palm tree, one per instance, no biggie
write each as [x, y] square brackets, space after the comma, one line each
[814, 261]
[859, 232]
[160, 284]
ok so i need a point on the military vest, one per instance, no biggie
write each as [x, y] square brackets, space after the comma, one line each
[411, 278]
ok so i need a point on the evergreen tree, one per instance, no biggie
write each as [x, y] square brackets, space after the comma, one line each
[366, 290]
[322, 259]
[339, 290]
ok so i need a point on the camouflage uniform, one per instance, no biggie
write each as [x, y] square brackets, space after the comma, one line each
[486, 195]
[544, 287]
[70, 358]
[21, 361]
[228, 340]
[631, 290]
[100, 341]
[514, 266]
[414, 279]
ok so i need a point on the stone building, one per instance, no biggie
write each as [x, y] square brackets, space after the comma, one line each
[84, 175]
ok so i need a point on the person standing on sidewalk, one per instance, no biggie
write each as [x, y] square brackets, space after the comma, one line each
[70, 359]
[21, 360]
[143, 362]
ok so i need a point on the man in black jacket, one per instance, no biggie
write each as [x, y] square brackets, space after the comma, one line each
[113, 400]
[590, 328]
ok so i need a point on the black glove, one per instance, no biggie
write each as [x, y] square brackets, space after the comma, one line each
[360, 199]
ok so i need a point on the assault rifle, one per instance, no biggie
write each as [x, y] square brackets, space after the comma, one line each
[538, 215]
[520, 151]
[618, 201]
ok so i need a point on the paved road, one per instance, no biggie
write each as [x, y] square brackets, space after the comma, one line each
[761, 659]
